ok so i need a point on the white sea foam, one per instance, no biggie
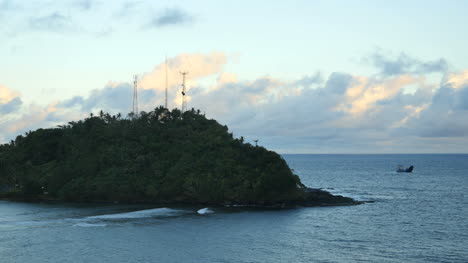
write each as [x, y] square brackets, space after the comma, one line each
[204, 211]
[89, 225]
[139, 214]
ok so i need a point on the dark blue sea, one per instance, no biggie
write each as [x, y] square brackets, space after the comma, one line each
[417, 217]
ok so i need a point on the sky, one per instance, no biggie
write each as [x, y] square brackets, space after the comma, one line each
[299, 76]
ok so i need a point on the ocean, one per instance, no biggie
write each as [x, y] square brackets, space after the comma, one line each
[415, 217]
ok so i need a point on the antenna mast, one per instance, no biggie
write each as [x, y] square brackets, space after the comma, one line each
[184, 100]
[135, 96]
[165, 104]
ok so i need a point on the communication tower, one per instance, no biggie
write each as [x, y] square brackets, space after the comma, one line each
[184, 92]
[135, 96]
[165, 102]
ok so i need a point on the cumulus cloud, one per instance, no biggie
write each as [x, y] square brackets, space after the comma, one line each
[363, 94]
[309, 80]
[9, 101]
[347, 112]
[446, 115]
[198, 66]
[457, 79]
[115, 97]
[340, 112]
[171, 16]
[34, 116]
[11, 106]
[403, 64]
[7, 94]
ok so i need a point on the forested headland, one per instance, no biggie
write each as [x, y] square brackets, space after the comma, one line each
[160, 156]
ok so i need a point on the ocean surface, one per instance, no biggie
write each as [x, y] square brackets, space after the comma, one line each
[417, 217]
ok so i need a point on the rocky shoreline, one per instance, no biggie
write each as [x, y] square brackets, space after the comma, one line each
[313, 197]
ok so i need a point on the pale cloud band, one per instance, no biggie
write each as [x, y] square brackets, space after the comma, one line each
[338, 113]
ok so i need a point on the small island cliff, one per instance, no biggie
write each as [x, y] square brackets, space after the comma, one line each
[162, 156]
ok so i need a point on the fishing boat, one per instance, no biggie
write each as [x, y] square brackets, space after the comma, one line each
[401, 169]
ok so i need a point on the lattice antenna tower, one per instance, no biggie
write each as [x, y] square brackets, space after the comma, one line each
[165, 101]
[184, 92]
[135, 96]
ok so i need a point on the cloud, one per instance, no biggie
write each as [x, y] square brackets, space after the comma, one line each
[54, 22]
[350, 113]
[198, 66]
[339, 82]
[9, 101]
[404, 64]
[115, 97]
[11, 106]
[309, 80]
[364, 93]
[75, 16]
[7, 94]
[457, 79]
[171, 16]
[33, 117]
[339, 112]
[446, 115]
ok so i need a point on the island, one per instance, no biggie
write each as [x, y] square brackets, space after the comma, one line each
[162, 156]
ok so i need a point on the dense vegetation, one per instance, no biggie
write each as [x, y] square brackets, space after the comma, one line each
[159, 156]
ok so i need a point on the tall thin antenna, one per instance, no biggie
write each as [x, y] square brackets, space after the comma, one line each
[165, 104]
[184, 100]
[135, 96]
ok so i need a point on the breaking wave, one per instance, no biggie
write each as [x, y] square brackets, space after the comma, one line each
[204, 211]
[156, 212]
